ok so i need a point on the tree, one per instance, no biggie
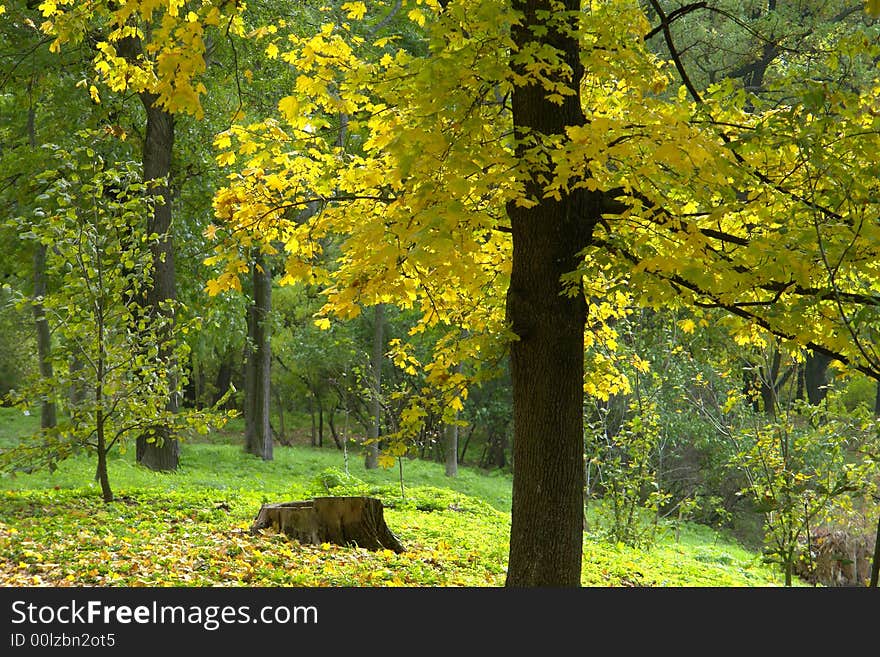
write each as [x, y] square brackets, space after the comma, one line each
[154, 51]
[541, 149]
[797, 474]
[90, 221]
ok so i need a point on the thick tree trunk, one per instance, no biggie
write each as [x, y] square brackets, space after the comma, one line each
[371, 459]
[163, 452]
[816, 377]
[224, 376]
[547, 359]
[341, 520]
[258, 435]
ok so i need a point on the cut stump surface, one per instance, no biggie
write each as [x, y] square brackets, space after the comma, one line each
[340, 520]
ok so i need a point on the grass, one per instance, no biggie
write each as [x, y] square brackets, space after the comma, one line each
[191, 527]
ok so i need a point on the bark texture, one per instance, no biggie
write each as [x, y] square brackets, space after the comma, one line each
[371, 458]
[258, 432]
[341, 520]
[159, 449]
[547, 359]
[47, 408]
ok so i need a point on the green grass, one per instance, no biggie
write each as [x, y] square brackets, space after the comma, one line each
[191, 527]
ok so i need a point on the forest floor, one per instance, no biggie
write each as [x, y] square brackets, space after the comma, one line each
[192, 527]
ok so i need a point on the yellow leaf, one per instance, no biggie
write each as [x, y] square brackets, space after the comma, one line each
[289, 107]
[355, 10]
[686, 325]
[226, 158]
[48, 8]
[322, 323]
[416, 16]
[93, 92]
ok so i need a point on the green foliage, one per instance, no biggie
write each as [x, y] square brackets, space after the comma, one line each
[624, 462]
[115, 364]
[336, 482]
[17, 344]
[804, 467]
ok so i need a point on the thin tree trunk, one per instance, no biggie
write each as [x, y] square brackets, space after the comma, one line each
[451, 443]
[282, 433]
[320, 423]
[371, 459]
[314, 421]
[47, 409]
[102, 475]
[100, 419]
[250, 378]
[259, 440]
[875, 564]
[451, 449]
[44, 339]
[547, 359]
[333, 432]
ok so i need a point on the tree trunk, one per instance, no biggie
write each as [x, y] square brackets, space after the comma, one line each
[815, 377]
[47, 409]
[371, 459]
[496, 456]
[314, 442]
[259, 439]
[224, 376]
[467, 441]
[547, 359]
[451, 443]
[769, 386]
[320, 423]
[333, 431]
[101, 472]
[282, 431]
[163, 453]
[451, 449]
[44, 339]
[250, 376]
[340, 520]
[875, 563]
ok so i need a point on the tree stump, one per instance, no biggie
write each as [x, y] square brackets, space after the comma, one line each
[340, 520]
